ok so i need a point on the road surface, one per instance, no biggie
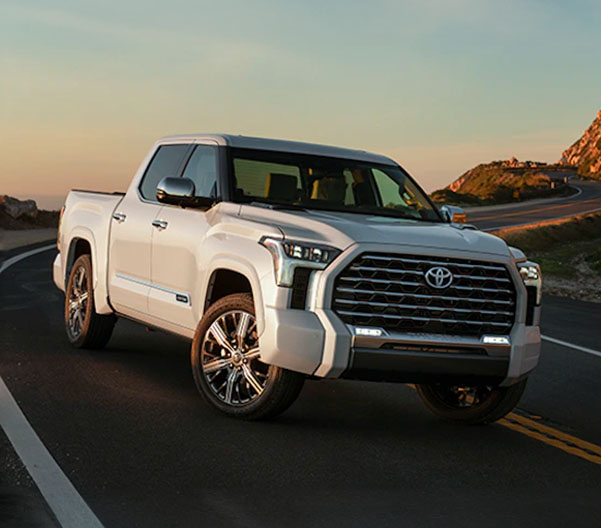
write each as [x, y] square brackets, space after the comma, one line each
[587, 199]
[129, 430]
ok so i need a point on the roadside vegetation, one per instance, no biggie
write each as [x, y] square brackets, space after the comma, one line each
[569, 253]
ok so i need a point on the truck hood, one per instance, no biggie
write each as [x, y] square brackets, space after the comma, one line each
[341, 230]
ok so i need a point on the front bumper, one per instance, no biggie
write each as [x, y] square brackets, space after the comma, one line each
[316, 341]
[320, 344]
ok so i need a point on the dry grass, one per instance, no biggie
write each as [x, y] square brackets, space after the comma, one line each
[569, 252]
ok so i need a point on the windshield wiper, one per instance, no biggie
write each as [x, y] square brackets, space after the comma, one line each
[277, 206]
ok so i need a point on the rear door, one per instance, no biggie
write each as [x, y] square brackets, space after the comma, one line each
[177, 246]
[131, 233]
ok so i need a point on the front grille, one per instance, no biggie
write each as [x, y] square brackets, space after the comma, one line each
[390, 291]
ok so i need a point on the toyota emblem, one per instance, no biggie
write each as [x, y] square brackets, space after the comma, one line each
[439, 277]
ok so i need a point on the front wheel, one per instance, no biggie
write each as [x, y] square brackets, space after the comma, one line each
[227, 368]
[473, 405]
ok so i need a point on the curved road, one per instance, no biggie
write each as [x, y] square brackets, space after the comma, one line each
[129, 431]
[587, 199]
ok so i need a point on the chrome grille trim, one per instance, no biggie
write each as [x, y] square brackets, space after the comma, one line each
[390, 291]
[417, 295]
[434, 262]
[405, 283]
[430, 308]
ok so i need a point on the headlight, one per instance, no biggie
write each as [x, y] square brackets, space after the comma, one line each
[532, 276]
[288, 255]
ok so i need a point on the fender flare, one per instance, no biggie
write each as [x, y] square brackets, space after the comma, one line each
[246, 269]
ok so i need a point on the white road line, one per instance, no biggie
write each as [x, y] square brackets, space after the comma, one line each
[63, 499]
[13, 260]
[571, 345]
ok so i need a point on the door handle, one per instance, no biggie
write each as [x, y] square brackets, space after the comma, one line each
[120, 217]
[160, 224]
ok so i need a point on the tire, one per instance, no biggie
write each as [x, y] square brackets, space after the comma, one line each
[471, 405]
[226, 365]
[85, 328]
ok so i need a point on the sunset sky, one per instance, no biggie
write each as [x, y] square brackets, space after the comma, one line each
[439, 85]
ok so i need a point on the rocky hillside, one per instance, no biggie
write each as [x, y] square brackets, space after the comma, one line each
[586, 152]
[24, 214]
[505, 181]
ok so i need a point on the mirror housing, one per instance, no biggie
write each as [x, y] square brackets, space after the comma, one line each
[453, 214]
[180, 191]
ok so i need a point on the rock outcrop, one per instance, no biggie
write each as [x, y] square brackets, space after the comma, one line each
[586, 152]
[24, 214]
[16, 208]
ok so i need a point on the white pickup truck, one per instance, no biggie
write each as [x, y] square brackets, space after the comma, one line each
[282, 260]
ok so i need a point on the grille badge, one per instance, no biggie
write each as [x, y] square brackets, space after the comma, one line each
[439, 277]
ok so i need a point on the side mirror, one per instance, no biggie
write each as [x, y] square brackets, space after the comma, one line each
[180, 191]
[453, 214]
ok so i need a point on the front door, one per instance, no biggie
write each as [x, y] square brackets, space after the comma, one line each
[177, 245]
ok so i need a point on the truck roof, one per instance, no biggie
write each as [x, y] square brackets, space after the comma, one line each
[282, 145]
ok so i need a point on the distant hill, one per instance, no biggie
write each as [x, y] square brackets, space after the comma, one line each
[505, 181]
[586, 152]
[24, 214]
[512, 180]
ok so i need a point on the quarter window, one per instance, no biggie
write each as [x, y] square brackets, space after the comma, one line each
[166, 162]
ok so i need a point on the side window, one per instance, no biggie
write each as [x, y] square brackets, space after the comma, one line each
[165, 162]
[389, 189]
[394, 195]
[202, 170]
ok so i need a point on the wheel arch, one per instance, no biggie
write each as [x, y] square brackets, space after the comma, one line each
[79, 245]
[225, 281]
[228, 276]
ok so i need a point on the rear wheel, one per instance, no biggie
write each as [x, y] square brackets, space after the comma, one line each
[85, 328]
[227, 367]
[473, 405]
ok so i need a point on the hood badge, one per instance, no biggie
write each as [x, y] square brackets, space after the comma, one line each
[439, 277]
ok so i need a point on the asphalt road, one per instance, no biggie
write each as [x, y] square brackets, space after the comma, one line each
[129, 430]
[587, 199]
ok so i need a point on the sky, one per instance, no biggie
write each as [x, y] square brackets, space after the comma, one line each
[86, 87]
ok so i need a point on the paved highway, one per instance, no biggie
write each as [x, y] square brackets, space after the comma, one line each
[130, 432]
[586, 199]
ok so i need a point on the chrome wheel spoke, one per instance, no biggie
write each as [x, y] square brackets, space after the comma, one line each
[231, 383]
[80, 318]
[252, 353]
[215, 364]
[242, 328]
[251, 380]
[219, 335]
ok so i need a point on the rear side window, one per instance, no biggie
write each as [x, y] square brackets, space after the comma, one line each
[166, 162]
[202, 170]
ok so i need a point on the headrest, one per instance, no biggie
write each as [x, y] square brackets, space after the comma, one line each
[330, 189]
[281, 186]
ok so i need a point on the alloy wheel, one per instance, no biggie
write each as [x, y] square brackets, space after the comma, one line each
[230, 359]
[78, 302]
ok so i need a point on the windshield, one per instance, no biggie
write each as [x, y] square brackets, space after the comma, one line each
[333, 184]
